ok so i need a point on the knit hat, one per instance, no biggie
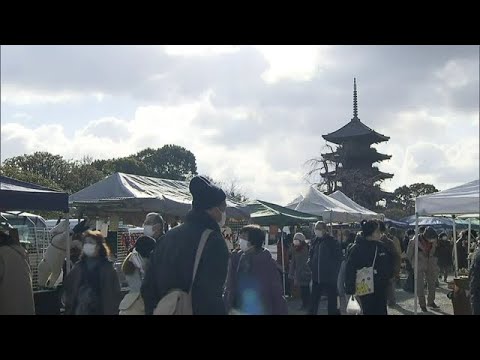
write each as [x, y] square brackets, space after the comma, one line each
[299, 236]
[205, 194]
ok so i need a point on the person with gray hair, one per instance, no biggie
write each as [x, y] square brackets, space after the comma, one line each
[153, 226]
[299, 271]
[324, 259]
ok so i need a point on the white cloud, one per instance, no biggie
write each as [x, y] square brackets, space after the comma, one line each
[22, 115]
[457, 73]
[200, 50]
[295, 62]
[18, 96]
[251, 113]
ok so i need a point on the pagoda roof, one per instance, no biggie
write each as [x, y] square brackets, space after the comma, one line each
[355, 129]
[372, 154]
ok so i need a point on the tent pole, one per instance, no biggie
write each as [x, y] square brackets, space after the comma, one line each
[283, 262]
[331, 223]
[67, 217]
[455, 246]
[415, 269]
[469, 236]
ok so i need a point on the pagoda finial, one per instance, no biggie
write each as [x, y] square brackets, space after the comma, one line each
[355, 105]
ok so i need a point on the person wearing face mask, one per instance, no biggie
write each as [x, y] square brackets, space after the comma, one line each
[172, 261]
[134, 267]
[369, 251]
[153, 226]
[325, 257]
[254, 286]
[427, 266]
[299, 271]
[443, 253]
[92, 286]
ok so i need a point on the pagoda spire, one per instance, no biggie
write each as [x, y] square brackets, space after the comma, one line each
[355, 104]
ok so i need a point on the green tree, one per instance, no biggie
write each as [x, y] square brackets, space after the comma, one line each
[169, 162]
[129, 165]
[404, 197]
[29, 177]
[81, 176]
[43, 164]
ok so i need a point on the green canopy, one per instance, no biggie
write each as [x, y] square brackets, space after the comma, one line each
[264, 214]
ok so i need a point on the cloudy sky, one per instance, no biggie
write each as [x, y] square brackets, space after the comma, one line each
[254, 114]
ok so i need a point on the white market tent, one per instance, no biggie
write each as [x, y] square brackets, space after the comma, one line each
[331, 210]
[345, 200]
[459, 200]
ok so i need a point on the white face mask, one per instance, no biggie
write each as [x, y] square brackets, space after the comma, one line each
[148, 230]
[222, 222]
[319, 233]
[89, 249]
[243, 244]
[296, 242]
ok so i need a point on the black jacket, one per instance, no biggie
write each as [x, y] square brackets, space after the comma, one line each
[324, 259]
[362, 255]
[475, 283]
[172, 261]
[444, 253]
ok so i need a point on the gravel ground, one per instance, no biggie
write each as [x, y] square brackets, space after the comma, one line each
[405, 304]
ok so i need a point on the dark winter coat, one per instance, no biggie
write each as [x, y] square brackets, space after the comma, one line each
[171, 266]
[462, 255]
[92, 279]
[254, 285]
[475, 283]
[444, 253]
[393, 246]
[362, 255]
[324, 260]
[299, 270]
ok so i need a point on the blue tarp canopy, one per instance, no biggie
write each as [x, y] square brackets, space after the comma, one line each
[440, 222]
[397, 224]
[20, 195]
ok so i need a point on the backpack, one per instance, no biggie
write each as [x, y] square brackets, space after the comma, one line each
[179, 302]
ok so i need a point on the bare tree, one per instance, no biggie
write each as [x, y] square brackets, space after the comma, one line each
[323, 167]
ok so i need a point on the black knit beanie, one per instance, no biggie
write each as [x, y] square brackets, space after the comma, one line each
[205, 194]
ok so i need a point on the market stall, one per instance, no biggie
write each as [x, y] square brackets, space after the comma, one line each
[16, 195]
[460, 200]
[265, 214]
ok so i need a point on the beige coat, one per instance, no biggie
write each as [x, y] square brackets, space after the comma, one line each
[16, 294]
[425, 263]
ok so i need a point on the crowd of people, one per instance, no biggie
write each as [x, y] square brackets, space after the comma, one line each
[188, 268]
